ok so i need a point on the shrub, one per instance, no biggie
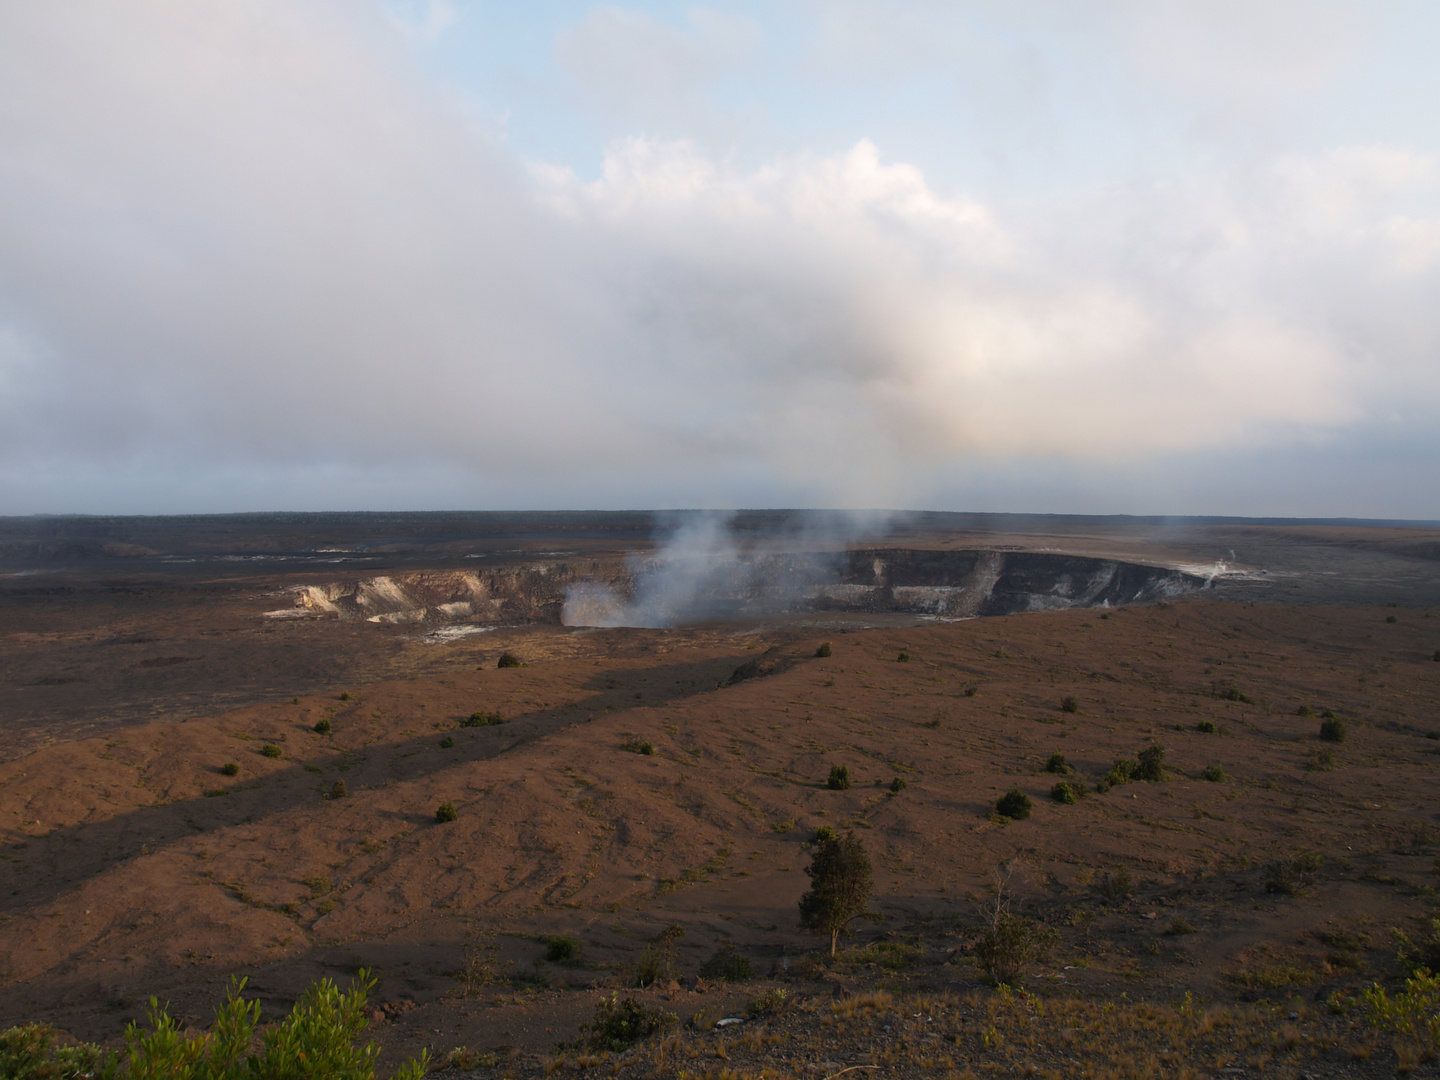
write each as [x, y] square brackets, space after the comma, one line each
[215, 792]
[1214, 773]
[482, 719]
[230, 768]
[1206, 727]
[1009, 943]
[903, 658]
[1422, 955]
[1332, 729]
[1432, 734]
[971, 690]
[447, 742]
[322, 726]
[1414, 1014]
[1067, 792]
[1014, 804]
[638, 746]
[1231, 693]
[345, 695]
[658, 960]
[1391, 619]
[1323, 761]
[1057, 764]
[1115, 885]
[338, 790]
[1436, 657]
[1122, 772]
[840, 882]
[1069, 704]
[768, 1001]
[1151, 762]
[1290, 875]
[824, 650]
[620, 1022]
[508, 660]
[898, 785]
[317, 1039]
[562, 949]
[445, 812]
[1304, 710]
[1178, 928]
[270, 750]
[839, 779]
[727, 964]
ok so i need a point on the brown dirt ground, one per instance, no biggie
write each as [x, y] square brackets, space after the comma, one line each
[120, 877]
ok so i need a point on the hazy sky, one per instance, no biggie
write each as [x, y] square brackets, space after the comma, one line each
[1144, 256]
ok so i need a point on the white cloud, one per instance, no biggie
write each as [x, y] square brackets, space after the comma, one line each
[247, 243]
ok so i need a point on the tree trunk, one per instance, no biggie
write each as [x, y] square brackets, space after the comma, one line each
[834, 938]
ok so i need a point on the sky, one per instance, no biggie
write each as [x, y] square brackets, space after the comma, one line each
[1069, 256]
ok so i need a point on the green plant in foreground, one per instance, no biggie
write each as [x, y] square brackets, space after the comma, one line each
[508, 660]
[1009, 943]
[1422, 955]
[270, 750]
[445, 812]
[728, 964]
[322, 726]
[839, 779]
[317, 1039]
[1014, 804]
[823, 651]
[230, 768]
[1413, 1014]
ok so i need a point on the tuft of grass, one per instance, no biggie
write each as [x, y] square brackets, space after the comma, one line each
[783, 826]
[1069, 704]
[839, 779]
[1214, 773]
[322, 726]
[482, 719]
[215, 792]
[445, 812]
[823, 651]
[1014, 804]
[768, 1001]
[508, 660]
[1291, 875]
[270, 750]
[230, 768]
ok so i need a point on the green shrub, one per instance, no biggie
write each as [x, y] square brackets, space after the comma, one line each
[620, 1022]
[1122, 772]
[1069, 704]
[508, 660]
[1423, 955]
[1414, 1014]
[1009, 943]
[317, 1039]
[270, 750]
[971, 690]
[1151, 764]
[322, 726]
[727, 964]
[1436, 657]
[445, 812]
[230, 768]
[345, 695]
[639, 746]
[1067, 792]
[898, 785]
[1391, 619]
[215, 792]
[903, 658]
[563, 949]
[767, 1001]
[1231, 693]
[824, 650]
[839, 779]
[1214, 773]
[1332, 730]
[338, 790]
[658, 960]
[1432, 734]
[482, 719]
[1057, 764]
[1206, 727]
[1323, 761]
[1304, 710]
[1178, 928]
[1014, 804]
[447, 742]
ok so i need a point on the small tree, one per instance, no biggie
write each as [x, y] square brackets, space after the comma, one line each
[840, 884]
[839, 779]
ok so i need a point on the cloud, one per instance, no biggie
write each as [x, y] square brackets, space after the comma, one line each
[246, 253]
